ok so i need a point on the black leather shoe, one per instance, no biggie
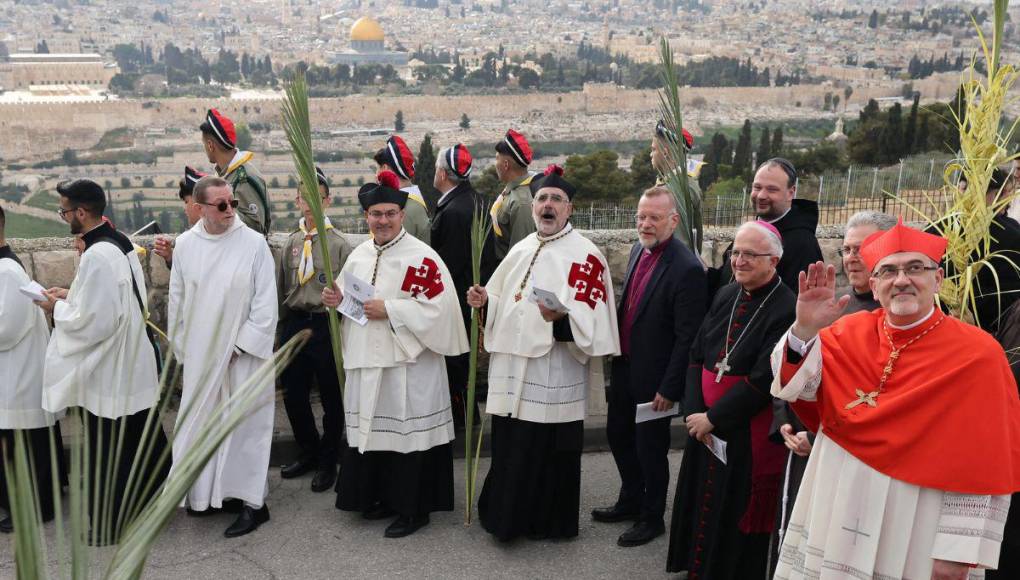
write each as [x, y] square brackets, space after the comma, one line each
[7, 525]
[323, 479]
[405, 526]
[640, 534]
[377, 512]
[297, 469]
[613, 514]
[249, 521]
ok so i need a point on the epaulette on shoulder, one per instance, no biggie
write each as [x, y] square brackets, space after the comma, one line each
[528, 180]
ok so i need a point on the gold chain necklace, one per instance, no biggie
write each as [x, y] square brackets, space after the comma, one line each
[871, 399]
[541, 244]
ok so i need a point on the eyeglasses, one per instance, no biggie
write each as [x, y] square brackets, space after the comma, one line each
[651, 218]
[849, 251]
[740, 254]
[221, 206]
[912, 270]
[61, 211]
[544, 197]
[391, 214]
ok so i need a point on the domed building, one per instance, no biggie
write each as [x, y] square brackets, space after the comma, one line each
[367, 35]
[368, 46]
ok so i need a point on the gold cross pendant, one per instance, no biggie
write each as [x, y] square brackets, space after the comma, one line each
[864, 398]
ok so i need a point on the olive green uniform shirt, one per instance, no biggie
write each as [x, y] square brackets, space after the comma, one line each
[308, 297]
[252, 196]
[511, 216]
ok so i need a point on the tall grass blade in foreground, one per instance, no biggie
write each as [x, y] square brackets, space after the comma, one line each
[150, 515]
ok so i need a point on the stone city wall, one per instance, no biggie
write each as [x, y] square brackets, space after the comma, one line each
[46, 129]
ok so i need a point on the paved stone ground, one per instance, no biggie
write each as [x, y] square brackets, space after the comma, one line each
[307, 538]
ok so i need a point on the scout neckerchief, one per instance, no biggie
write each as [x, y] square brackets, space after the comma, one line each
[306, 269]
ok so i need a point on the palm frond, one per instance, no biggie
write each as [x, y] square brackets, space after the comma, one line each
[965, 217]
[688, 201]
[480, 227]
[298, 127]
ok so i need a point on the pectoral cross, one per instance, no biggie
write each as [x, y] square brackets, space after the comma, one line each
[722, 366]
[863, 398]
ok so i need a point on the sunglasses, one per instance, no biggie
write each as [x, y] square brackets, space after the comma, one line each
[221, 206]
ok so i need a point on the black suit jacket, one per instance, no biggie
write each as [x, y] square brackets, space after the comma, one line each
[450, 235]
[668, 317]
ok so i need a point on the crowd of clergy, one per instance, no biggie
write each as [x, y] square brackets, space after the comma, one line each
[862, 435]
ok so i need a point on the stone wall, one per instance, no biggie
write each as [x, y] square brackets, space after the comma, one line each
[46, 129]
[52, 261]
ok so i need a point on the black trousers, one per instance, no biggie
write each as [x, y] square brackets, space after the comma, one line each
[639, 449]
[113, 446]
[37, 442]
[314, 361]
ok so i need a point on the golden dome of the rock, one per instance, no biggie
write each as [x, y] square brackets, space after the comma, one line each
[366, 29]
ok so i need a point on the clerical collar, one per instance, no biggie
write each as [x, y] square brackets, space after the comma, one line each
[103, 230]
[773, 222]
[546, 239]
[865, 296]
[657, 248]
[390, 243]
[762, 290]
[914, 324]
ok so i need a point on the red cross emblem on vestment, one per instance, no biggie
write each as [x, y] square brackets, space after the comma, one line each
[425, 279]
[586, 278]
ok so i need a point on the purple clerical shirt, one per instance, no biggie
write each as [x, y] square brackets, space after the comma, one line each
[636, 289]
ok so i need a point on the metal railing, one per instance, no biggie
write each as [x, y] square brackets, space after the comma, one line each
[909, 189]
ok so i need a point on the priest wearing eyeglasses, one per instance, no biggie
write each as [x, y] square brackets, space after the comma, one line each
[222, 323]
[724, 508]
[892, 490]
[398, 462]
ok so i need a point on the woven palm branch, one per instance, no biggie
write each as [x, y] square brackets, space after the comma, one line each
[964, 217]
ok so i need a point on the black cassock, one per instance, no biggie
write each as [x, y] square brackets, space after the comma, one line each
[124, 467]
[723, 513]
[450, 237]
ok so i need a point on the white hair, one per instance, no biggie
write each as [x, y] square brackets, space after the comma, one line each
[880, 221]
[442, 162]
[775, 244]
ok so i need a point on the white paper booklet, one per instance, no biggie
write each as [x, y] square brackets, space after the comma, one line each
[645, 412]
[718, 447]
[356, 293]
[34, 290]
[547, 299]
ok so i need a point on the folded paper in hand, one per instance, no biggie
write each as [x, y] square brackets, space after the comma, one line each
[34, 291]
[356, 293]
[547, 299]
[718, 447]
[645, 412]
